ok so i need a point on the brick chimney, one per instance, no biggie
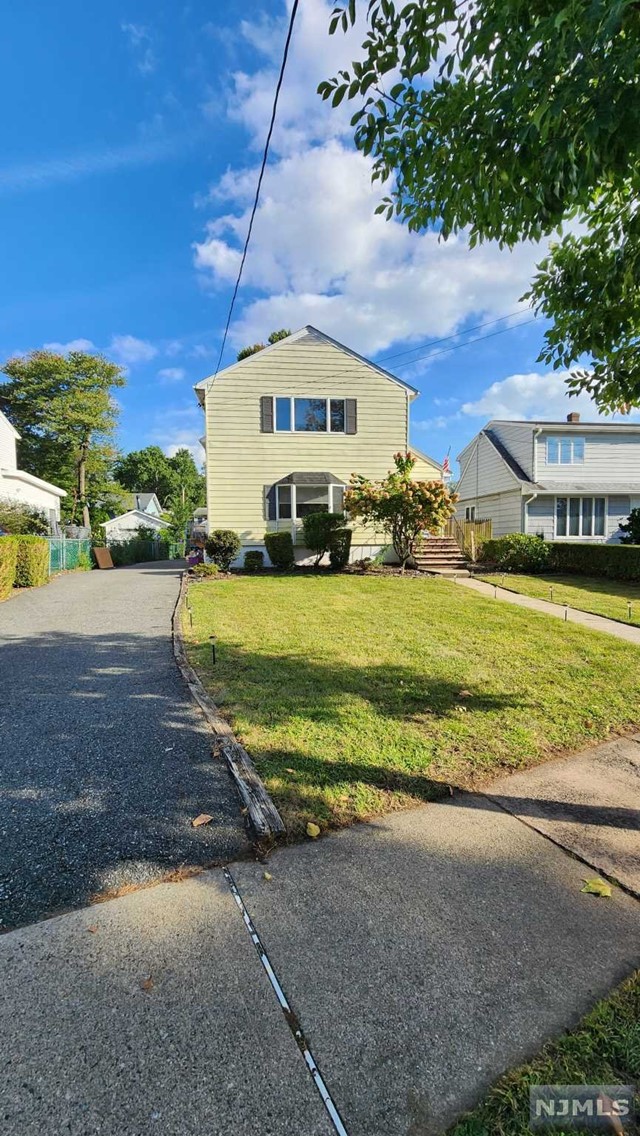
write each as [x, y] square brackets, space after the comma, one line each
[573, 417]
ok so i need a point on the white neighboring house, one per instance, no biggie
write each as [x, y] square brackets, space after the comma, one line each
[16, 485]
[568, 480]
[145, 514]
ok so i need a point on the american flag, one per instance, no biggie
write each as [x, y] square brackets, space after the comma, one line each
[446, 467]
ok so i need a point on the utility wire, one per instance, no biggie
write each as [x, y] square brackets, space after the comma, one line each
[260, 177]
[467, 343]
[454, 335]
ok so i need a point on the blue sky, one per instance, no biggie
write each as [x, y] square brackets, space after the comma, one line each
[130, 143]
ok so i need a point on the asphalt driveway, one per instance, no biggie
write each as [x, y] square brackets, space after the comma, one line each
[104, 760]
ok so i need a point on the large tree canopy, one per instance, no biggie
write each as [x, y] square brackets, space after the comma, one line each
[506, 118]
[64, 410]
[150, 471]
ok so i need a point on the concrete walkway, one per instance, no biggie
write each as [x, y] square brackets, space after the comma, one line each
[421, 955]
[585, 618]
[104, 759]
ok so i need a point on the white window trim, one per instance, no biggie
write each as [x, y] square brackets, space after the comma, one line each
[560, 438]
[579, 497]
[333, 485]
[292, 429]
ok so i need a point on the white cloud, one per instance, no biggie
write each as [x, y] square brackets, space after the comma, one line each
[141, 44]
[532, 395]
[72, 345]
[319, 254]
[172, 374]
[180, 427]
[129, 350]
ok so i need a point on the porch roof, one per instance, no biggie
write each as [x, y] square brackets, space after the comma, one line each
[304, 478]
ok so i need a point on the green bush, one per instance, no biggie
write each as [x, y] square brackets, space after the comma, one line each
[516, 552]
[84, 562]
[18, 517]
[631, 528]
[318, 529]
[253, 560]
[279, 546]
[202, 571]
[8, 558]
[222, 545]
[32, 564]
[614, 561]
[339, 548]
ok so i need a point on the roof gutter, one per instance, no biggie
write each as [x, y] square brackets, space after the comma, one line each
[534, 464]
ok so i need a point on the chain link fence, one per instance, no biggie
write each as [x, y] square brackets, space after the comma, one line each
[65, 554]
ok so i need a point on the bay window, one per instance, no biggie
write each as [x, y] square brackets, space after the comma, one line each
[580, 516]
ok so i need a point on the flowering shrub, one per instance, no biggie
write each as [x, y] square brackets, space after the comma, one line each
[401, 507]
[516, 552]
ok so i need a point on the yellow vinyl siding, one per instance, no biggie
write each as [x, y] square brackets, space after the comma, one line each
[425, 470]
[241, 460]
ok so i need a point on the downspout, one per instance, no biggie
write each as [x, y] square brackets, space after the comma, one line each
[534, 466]
[525, 507]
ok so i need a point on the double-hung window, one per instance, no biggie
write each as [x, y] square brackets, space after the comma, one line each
[580, 516]
[310, 415]
[565, 451]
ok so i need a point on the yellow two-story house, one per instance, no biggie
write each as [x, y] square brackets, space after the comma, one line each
[286, 428]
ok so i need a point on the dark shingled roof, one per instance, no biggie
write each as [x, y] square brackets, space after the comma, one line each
[310, 479]
[506, 456]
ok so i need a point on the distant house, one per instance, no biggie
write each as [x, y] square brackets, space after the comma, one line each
[286, 428]
[16, 485]
[567, 480]
[146, 513]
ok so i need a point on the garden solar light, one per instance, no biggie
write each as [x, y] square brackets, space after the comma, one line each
[213, 649]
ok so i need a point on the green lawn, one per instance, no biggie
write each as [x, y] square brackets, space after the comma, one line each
[603, 1050]
[602, 597]
[356, 694]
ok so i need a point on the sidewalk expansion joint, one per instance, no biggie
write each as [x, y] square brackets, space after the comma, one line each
[289, 1015]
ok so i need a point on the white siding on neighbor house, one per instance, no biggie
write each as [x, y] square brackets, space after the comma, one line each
[608, 457]
[541, 518]
[7, 445]
[485, 473]
[518, 439]
[504, 510]
[39, 498]
[123, 528]
[241, 460]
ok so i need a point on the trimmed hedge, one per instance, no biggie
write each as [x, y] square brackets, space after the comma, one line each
[32, 564]
[222, 545]
[516, 552]
[253, 560]
[8, 558]
[613, 561]
[279, 546]
[339, 547]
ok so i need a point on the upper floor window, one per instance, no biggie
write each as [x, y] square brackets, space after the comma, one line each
[308, 415]
[565, 451]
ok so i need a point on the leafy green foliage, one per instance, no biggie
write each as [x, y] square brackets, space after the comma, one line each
[19, 517]
[136, 551]
[253, 560]
[276, 336]
[631, 528]
[279, 546]
[222, 545]
[64, 410]
[32, 564]
[505, 120]
[401, 507]
[205, 571]
[150, 471]
[340, 547]
[615, 561]
[516, 552]
[318, 529]
[245, 352]
[8, 558]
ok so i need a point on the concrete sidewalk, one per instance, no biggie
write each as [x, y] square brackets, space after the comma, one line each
[596, 622]
[422, 955]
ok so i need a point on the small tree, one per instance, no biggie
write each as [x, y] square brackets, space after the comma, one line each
[401, 507]
[179, 517]
[283, 333]
[318, 529]
[253, 349]
[631, 528]
[222, 545]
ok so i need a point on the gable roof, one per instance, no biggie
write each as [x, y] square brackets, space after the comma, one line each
[143, 500]
[201, 387]
[506, 456]
[145, 517]
[562, 424]
[425, 457]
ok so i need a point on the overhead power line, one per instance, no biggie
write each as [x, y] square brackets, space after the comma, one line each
[260, 177]
[467, 342]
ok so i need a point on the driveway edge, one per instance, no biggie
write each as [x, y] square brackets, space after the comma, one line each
[264, 819]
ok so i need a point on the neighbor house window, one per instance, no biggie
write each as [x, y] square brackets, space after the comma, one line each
[470, 513]
[565, 451]
[580, 516]
[309, 415]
